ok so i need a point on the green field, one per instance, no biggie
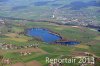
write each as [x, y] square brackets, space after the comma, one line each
[70, 19]
[89, 42]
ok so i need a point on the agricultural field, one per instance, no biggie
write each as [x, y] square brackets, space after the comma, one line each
[35, 31]
[88, 43]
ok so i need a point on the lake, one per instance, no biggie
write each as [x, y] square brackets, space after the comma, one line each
[43, 34]
[69, 42]
[47, 36]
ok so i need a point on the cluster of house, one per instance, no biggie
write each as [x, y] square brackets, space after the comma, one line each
[2, 22]
[11, 46]
[89, 58]
[32, 45]
[6, 61]
[25, 53]
[72, 17]
[7, 46]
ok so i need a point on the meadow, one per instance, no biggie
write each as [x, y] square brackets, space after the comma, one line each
[89, 42]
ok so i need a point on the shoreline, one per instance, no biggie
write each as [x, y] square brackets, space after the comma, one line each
[62, 39]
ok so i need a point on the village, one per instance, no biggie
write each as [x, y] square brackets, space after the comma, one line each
[78, 17]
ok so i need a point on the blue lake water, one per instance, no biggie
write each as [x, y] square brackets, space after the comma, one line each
[47, 36]
[43, 34]
[69, 43]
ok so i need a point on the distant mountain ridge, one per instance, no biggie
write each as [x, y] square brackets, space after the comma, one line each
[77, 5]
